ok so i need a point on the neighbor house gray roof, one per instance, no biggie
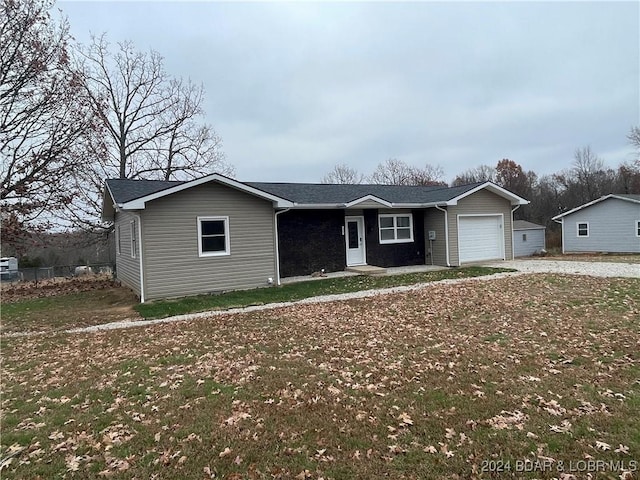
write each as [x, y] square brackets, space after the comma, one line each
[627, 197]
[524, 225]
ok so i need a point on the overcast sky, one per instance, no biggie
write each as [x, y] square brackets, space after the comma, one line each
[295, 88]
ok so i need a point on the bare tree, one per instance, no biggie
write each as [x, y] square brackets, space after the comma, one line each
[151, 118]
[429, 175]
[391, 172]
[44, 116]
[589, 174]
[482, 173]
[343, 174]
[398, 172]
[634, 140]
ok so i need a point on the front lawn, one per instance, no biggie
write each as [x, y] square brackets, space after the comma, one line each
[465, 380]
[297, 291]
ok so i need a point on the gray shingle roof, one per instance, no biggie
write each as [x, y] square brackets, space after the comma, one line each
[125, 190]
[524, 225]
[314, 193]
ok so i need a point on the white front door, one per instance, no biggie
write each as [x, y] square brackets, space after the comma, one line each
[354, 238]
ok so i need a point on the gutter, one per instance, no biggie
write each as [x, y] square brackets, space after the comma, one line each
[277, 245]
[137, 215]
[446, 233]
[513, 244]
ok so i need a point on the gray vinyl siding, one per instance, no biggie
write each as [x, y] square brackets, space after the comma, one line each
[173, 267]
[612, 228]
[534, 243]
[127, 268]
[434, 220]
[370, 204]
[480, 202]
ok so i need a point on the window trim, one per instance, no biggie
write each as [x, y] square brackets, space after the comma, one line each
[227, 243]
[578, 229]
[395, 228]
[133, 241]
[637, 228]
[118, 240]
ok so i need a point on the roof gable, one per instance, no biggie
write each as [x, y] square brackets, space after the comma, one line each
[633, 198]
[134, 194]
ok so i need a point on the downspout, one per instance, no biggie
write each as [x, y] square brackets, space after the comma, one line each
[275, 230]
[446, 233]
[137, 215]
[513, 244]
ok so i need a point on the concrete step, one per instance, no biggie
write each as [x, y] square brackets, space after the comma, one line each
[367, 270]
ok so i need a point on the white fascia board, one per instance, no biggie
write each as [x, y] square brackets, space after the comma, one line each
[139, 203]
[311, 206]
[492, 187]
[107, 199]
[588, 204]
[529, 228]
[367, 198]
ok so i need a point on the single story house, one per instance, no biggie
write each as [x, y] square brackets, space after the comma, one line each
[215, 233]
[528, 238]
[609, 224]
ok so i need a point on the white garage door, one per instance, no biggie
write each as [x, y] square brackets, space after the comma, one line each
[480, 238]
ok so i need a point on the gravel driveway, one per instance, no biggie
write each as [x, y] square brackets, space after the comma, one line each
[594, 269]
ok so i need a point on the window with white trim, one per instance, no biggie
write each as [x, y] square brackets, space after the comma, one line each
[395, 228]
[134, 239]
[213, 236]
[583, 229]
[637, 228]
[118, 240]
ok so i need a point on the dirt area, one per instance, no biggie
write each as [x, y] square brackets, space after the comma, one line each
[15, 292]
[57, 304]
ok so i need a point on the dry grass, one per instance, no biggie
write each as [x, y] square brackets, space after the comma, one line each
[436, 383]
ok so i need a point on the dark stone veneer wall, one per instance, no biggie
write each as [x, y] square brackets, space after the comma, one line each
[311, 240]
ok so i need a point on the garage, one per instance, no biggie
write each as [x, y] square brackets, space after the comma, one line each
[480, 237]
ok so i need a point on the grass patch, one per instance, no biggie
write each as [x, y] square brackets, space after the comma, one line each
[301, 290]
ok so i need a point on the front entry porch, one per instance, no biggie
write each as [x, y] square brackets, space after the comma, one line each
[347, 273]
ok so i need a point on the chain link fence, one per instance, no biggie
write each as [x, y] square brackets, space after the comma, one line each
[36, 274]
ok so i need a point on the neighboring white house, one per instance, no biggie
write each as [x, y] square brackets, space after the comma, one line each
[609, 224]
[528, 238]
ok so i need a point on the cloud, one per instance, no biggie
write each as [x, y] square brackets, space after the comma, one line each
[294, 88]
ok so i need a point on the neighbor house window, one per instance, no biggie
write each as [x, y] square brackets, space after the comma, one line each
[637, 228]
[524, 237]
[396, 228]
[134, 239]
[583, 229]
[118, 240]
[213, 236]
